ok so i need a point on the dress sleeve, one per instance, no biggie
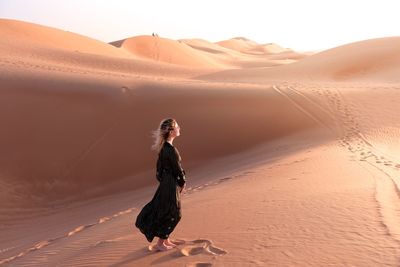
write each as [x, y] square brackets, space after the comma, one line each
[177, 167]
[159, 168]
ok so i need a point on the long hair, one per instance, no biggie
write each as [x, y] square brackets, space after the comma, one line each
[162, 133]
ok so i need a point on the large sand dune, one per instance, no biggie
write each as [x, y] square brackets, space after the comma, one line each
[18, 34]
[166, 50]
[370, 60]
[292, 159]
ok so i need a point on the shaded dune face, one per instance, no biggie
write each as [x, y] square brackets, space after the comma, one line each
[77, 138]
[76, 107]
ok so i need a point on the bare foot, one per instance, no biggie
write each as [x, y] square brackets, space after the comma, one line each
[162, 247]
[168, 242]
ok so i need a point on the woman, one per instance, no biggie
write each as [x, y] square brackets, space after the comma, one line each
[160, 216]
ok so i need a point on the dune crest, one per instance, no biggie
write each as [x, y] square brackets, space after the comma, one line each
[28, 35]
[247, 46]
[166, 50]
[375, 60]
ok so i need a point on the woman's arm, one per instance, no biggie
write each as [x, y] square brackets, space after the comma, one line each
[159, 168]
[177, 167]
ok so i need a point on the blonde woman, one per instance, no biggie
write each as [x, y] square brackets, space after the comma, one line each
[159, 217]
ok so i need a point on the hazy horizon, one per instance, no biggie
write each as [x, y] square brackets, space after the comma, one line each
[303, 26]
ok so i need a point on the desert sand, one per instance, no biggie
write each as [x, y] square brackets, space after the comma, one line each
[292, 159]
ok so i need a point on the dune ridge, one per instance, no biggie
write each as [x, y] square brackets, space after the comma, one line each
[374, 60]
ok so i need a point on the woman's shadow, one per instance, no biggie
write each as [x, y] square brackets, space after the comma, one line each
[145, 252]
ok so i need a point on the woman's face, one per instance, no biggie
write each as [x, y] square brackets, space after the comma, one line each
[176, 131]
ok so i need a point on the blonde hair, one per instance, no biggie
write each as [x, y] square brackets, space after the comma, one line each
[162, 133]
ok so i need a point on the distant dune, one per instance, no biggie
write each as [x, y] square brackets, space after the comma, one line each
[257, 56]
[29, 35]
[375, 59]
[245, 45]
[166, 50]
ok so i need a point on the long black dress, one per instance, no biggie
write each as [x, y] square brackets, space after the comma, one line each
[160, 216]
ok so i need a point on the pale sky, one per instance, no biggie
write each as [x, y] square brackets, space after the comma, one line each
[302, 25]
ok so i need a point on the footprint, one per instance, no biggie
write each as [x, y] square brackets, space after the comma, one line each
[80, 228]
[178, 241]
[225, 178]
[192, 250]
[201, 241]
[104, 242]
[103, 219]
[199, 249]
[215, 250]
[198, 264]
[201, 246]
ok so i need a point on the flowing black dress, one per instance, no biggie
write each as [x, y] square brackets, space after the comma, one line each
[160, 216]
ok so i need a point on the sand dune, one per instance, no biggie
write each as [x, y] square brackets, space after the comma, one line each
[375, 59]
[18, 35]
[35, 47]
[209, 47]
[84, 155]
[239, 44]
[370, 60]
[166, 50]
[245, 45]
[292, 159]
[237, 59]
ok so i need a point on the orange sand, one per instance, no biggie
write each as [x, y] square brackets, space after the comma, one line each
[292, 159]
